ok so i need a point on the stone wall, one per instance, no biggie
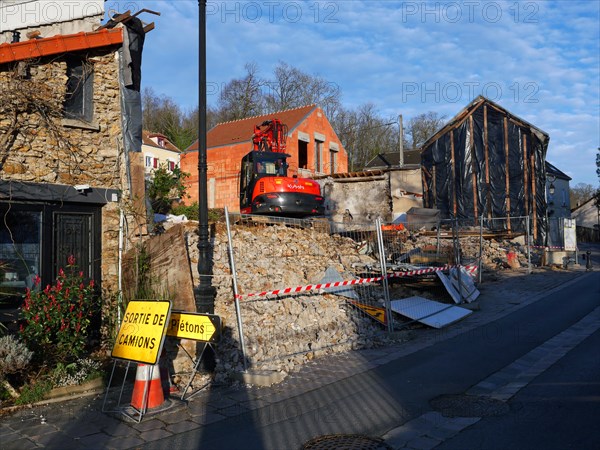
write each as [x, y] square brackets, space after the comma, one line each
[70, 152]
[365, 199]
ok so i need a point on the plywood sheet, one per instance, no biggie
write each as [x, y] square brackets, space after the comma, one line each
[429, 312]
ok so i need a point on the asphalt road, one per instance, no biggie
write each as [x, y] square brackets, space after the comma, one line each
[376, 401]
[558, 410]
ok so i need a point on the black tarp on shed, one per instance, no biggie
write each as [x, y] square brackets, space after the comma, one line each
[486, 161]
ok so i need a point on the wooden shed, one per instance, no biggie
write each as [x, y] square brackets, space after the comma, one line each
[487, 162]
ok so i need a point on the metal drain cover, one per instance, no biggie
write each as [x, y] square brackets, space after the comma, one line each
[345, 442]
[469, 406]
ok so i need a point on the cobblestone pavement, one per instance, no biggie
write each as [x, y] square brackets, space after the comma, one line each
[80, 423]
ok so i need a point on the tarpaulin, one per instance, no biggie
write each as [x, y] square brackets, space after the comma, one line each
[488, 162]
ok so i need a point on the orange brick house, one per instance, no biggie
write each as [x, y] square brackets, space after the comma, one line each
[312, 143]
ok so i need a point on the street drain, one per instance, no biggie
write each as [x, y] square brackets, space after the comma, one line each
[346, 442]
[469, 406]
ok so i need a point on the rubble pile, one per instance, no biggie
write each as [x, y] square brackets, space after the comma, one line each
[281, 333]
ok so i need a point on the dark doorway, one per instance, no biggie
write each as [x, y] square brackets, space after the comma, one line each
[302, 155]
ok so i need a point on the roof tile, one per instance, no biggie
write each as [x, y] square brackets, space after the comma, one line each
[234, 132]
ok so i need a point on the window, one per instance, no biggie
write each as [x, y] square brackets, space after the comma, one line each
[20, 252]
[78, 102]
[332, 161]
[148, 161]
[171, 165]
[318, 156]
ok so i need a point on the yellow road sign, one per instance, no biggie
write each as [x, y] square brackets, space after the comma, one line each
[142, 331]
[375, 312]
[199, 327]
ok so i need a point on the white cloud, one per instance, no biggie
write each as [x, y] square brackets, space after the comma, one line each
[539, 60]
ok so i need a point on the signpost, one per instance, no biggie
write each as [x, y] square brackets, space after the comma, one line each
[142, 331]
[198, 327]
[140, 339]
[205, 328]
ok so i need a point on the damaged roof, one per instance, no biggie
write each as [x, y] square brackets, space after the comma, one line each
[237, 131]
[36, 48]
[467, 110]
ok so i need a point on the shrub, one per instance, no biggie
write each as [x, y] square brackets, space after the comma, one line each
[14, 355]
[77, 372]
[57, 319]
[192, 213]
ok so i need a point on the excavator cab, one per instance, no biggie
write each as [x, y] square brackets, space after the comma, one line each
[265, 187]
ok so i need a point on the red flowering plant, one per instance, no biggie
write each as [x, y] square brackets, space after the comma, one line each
[57, 318]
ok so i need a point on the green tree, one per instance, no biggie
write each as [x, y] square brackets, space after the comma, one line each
[164, 187]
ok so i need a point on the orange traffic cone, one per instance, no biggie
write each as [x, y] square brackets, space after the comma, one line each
[147, 385]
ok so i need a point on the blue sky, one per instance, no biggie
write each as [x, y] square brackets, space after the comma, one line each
[538, 59]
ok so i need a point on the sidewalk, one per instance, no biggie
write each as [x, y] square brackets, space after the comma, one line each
[79, 423]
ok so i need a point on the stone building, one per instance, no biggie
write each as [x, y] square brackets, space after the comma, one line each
[71, 173]
[312, 143]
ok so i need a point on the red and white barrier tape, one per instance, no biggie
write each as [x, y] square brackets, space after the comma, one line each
[546, 246]
[471, 269]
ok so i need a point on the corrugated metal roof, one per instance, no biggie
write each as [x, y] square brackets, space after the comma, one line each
[234, 132]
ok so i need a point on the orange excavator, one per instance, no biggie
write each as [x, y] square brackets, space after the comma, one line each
[265, 187]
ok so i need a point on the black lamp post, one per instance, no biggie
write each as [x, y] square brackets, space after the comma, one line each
[205, 293]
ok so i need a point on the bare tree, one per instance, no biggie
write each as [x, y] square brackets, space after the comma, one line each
[364, 134]
[242, 97]
[292, 88]
[581, 193]
[422, 127]
[162, 115]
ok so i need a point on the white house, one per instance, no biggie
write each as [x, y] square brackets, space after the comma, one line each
[158, 151]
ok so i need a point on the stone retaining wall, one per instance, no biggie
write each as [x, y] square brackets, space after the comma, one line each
[281, 334]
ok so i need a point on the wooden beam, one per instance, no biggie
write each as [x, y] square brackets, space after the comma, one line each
[534, 202]
[507, 171]
[473, 168]
[424, 174]
[454, 208]
[434, 188]
[525, 177]
[487, 162]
